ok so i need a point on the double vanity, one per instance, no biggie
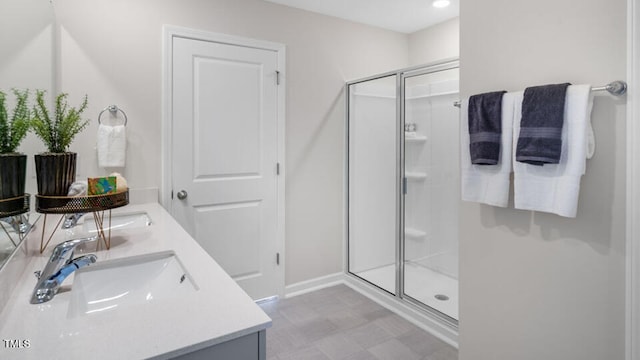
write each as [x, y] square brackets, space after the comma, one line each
[155, 294]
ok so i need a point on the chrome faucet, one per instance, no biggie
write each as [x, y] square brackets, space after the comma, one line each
[60, 265]
[19, 223]
[71, 220]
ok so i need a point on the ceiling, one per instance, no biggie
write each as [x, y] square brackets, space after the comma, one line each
[404, 16]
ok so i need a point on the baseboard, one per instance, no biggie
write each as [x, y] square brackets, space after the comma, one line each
[307, 286]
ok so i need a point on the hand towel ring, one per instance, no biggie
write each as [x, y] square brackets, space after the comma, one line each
[113, 109]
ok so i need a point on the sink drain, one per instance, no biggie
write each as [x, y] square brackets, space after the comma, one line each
[442, 297]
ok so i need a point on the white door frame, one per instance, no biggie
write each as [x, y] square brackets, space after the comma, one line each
[168, 33]
[633, 183]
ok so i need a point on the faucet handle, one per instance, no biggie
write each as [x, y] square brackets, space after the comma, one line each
[62, 249]
[75, 242]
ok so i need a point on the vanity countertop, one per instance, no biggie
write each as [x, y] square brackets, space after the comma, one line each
[219, 311]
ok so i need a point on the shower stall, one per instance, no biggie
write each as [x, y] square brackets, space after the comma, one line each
[403, 185]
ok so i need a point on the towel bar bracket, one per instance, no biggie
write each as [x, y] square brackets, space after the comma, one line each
[617, 88]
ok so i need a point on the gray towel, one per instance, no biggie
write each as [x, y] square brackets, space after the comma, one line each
[540, 138]
[485, 127]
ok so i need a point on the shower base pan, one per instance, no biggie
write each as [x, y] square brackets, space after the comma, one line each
[429, 287]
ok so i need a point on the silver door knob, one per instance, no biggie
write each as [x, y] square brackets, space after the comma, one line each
[182, 194]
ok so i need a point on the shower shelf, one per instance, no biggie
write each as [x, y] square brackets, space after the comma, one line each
[414, 233]
[411, 175]
[414, 138]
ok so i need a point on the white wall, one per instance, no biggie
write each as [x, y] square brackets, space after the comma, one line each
[27, 29]
[437, 42]
[111, 50]
[26, 60]
[27, 45]
[535, 285]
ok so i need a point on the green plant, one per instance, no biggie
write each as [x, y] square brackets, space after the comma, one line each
[57, 133]
[13, 130]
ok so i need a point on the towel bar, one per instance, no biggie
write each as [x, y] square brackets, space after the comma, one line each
[113, 109]
[616, 88]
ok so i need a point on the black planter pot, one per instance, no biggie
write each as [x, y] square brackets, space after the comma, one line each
[55, 172]
[13, 174]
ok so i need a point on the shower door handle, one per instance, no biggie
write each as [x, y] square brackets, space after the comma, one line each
[182, 194]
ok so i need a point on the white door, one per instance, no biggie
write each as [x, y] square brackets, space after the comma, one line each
[224, 157]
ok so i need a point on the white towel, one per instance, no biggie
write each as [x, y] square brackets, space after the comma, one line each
[487, 184]
[112, 145]
[555, 188]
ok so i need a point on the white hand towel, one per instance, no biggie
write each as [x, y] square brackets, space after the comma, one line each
[555, 188]
[112, 145]
[487, 184]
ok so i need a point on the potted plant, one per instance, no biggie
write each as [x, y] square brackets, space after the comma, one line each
[13, 165]
[56, 168]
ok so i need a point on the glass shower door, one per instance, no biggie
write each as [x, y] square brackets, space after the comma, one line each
[372, 177]
[430, 247]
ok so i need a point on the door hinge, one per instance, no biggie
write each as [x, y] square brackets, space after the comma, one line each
[277, 258]
[277, 168]
[171, 194]
[404, 186]
[277, 77]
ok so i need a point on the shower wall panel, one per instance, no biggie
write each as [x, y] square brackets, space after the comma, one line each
[431, 199]
[372, 179]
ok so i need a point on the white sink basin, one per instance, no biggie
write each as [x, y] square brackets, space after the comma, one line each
[118, 221]
[106, 286]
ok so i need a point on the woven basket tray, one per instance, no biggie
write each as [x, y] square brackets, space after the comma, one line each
[14, 206]
[80, 204]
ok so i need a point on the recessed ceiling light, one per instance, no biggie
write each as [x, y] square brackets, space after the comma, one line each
[441, 3]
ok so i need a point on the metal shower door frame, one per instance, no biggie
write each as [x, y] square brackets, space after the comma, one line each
[401, 76]
[400, 245]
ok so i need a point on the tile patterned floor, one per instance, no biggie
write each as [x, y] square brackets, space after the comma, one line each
[338, 323]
